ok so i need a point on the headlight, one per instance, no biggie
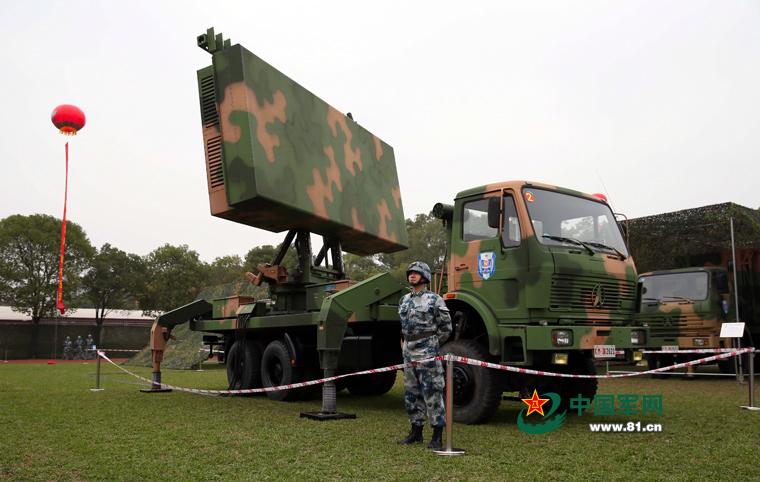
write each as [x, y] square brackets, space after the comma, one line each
[559, 358]
[562, 337]
[699, 341]
[638, 337]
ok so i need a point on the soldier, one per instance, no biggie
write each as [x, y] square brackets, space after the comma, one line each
[67, 345]
[425, 325]
[90, 345]
[79, 348]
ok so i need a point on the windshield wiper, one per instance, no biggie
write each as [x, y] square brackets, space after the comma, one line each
[682, 298]
[658, 300]
[604, 246]
[570, 240]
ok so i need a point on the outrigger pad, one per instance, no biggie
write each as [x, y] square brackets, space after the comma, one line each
[322, 416]
[155, 390]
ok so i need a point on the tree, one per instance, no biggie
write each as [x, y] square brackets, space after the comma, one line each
[174, 275]
[265, 254]
[223, 270]
[360, 268]
[112, 282]
[427, 242]
[29, 257]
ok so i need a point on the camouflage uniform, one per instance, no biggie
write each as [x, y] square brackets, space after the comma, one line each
[424, 312]
[79, 345]
[89, 343]
[67, 348]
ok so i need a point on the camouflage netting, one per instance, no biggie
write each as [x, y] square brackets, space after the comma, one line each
[187, 350]
[689, 237]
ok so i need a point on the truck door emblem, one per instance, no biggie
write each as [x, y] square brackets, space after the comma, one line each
[486, 264]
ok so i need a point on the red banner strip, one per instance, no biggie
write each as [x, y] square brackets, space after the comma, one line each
[59, 295]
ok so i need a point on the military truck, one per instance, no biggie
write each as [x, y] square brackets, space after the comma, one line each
[688, 290]
[538, 276]
[685, 309]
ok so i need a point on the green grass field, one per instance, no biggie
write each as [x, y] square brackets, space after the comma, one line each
[54, 428]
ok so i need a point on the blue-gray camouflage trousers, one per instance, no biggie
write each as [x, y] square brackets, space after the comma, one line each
[423, 389]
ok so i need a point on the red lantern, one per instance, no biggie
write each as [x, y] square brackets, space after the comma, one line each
[68, 119]
[600, 196]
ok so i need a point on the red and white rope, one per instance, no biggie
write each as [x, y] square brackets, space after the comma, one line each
[290, 386]
[693, 350]
[454, 358]
[542, 373]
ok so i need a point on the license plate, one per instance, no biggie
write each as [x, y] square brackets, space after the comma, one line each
[669, 347]
[604, 351]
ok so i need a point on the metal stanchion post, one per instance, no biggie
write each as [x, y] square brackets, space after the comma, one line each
[449, 411]
[751, 364]
[97, 376]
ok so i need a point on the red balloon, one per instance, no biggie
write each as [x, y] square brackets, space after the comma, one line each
[69, 119]
[600, 196]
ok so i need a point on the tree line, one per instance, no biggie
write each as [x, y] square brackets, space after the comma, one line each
[108, 278]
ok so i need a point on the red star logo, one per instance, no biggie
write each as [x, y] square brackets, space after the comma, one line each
[535, 403]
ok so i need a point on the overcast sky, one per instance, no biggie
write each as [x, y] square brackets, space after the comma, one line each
[655, 102]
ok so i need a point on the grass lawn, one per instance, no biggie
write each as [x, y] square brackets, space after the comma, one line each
[54, 428]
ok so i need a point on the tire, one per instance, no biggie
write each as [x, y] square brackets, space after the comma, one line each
[372, 384]
[727, 365]
[477, 390]
[654, 361]
[567, 388]
[276, 369]
[585, 387]
[244, 365]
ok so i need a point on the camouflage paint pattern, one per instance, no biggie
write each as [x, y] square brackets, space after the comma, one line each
[536, 288]
[278, 158]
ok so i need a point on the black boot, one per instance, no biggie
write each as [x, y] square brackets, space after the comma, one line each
[435, 440]
[415, 435]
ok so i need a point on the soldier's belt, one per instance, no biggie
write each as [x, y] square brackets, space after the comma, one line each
[419, 336]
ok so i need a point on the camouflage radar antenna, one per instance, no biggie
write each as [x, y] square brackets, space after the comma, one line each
[280, 158]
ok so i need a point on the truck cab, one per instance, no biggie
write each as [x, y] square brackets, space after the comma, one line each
[538, 276]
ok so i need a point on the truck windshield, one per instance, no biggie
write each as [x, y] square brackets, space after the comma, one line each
[563, 219]
[674, 287]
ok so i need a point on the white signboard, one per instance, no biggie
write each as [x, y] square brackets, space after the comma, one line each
[732, 330]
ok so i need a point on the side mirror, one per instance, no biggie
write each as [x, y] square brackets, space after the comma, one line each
[494, 212]
[721, 282]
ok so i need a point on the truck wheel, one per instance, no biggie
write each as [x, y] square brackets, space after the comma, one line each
[654, 361]
[567, 388]
[477, 390]
[244, 365]
[276, 369]
[727, 365]
[372, 384]
[583, 387]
